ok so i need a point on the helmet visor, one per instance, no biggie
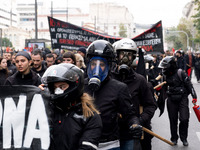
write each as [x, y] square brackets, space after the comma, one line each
[98, 68]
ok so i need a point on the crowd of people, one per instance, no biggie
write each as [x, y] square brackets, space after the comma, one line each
[100, 100]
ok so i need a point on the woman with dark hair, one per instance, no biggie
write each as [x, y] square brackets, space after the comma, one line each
[69, 57]
[4, 73]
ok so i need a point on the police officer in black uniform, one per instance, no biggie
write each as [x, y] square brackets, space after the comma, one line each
[111, 96]
[126, 51]
[178, 88]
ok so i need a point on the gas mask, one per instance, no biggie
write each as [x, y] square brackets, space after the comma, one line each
[125, 60]
[97, 71]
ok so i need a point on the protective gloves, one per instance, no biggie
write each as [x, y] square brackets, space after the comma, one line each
[136, 131]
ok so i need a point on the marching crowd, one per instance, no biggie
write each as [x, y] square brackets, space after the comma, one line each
[100, 101]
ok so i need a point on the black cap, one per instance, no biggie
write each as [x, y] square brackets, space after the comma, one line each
[82, 49]
[23, 53]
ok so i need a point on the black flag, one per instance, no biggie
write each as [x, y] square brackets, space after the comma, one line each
[141, 65]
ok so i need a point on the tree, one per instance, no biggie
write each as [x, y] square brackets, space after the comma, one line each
[122, 30]
[6, 42]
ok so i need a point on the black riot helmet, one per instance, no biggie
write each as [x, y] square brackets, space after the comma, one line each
[70, 74]
[168, 65]
[101, 48]
[99, 53]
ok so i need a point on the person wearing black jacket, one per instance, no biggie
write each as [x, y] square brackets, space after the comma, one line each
[76, 122]
[126, 51]
[112, 97]
[180, 60]
[38, 63]
[178, 88]
[197, 66]
[24, 75]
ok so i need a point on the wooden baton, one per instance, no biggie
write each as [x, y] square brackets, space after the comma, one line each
[159, 137]
[159, 85]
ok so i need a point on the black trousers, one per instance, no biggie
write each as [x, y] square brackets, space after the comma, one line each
[178, 110]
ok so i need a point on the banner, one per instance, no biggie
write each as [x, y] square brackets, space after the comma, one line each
[24, 118]
[68, 36]
[151, 40]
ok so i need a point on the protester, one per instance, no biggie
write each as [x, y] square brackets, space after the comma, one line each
[180, 60]
[82, 52]
[197, 66]
[24, 74]
[190, 62]
[69, 57]
[38, 64]
[126, 51]
[112, 97]
[4, 73]
[80, 61]
[76, 122]
[178, 88]
[50, 60]
[8, 57]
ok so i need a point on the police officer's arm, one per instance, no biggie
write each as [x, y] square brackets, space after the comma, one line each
[91, 133]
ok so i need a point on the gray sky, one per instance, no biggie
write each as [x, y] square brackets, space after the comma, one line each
[144, 11]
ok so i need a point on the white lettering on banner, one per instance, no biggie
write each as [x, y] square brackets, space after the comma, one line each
[13, 122]
[37, 116]
[54, 41]
[149, 35]
[53, 30]
[58, 35]
[13, 119]
[152, 42]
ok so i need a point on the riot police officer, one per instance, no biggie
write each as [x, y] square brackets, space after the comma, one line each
[179, 87]
[126, 51]
[111, 96]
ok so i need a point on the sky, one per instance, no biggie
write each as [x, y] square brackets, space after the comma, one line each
[144, 11]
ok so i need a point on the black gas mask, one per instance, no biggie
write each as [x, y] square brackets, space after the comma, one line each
[125, 60]
[97, 71]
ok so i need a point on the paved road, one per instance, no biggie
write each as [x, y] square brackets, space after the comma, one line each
[160, 126]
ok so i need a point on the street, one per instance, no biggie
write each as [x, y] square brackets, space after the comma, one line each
[160, 126]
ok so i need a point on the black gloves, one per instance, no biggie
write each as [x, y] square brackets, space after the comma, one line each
[136, 131]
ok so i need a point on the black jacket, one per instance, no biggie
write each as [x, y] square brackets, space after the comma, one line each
[111, 99]
[41, 72]
[141, 96]
[181, 63]
[176, 81]
[3, 76]
[72, 131]
[18, 79]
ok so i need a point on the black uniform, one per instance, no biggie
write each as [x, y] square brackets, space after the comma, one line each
[179, 87]
[19, 79]
[74, 132]
[181, 64]
[197, 68]
[141, 96]
[111, 99]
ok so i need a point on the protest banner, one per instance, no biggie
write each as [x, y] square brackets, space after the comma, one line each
[24, 118]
